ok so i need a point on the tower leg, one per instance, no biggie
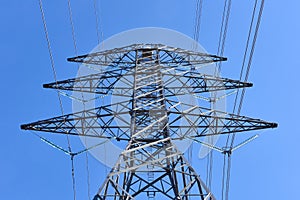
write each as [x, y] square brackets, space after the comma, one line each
[173, 177]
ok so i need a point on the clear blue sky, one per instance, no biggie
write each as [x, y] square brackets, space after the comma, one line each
[268, 168]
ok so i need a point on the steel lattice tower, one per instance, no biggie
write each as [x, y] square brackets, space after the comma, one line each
[151, 166]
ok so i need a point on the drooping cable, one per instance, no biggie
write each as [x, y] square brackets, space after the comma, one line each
[210, 173]
[223, 31]
[88, 173]
[83, 129]
[225, 28]
[196, 35]
[99, 30]
[228, 176]
[95, 4]
[249, 61]
[223, 176]
[244, 61]
[220, 52]
[76, 53]
[198, 15]
[245, 80]
[222, 26]
[50, 52]
[251, 53]
[199, 5]
[55, 79]
[52, 144]
[72, 26]
[245, 53]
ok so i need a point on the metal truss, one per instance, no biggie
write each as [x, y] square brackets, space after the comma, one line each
[126, 56]
[187, 83]
[172, 178]
[149, 76]
[100, 122]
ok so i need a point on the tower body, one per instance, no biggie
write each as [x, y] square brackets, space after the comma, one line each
[148, 79]
[151, 167]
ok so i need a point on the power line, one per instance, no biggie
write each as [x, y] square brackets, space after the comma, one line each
[244, 59]
[198, 15]
[97, 20]
[250, 60]
[252, 52]
[243, 90]
[75, 48]
[196, 34]
[220, 51]
[76, 53]
[245, 53]
[210, 174]
[72, 26]
[50, 51]
[228, 176]
[58, 94]
[199, 5]
[223, 30]
[223, 176]
[99, 34]
[209, 165]
[88, 173]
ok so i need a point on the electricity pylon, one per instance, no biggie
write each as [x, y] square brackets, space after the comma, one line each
[152, 76]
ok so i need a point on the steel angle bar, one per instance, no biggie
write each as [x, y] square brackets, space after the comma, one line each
[135, 167]
[138, 134]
